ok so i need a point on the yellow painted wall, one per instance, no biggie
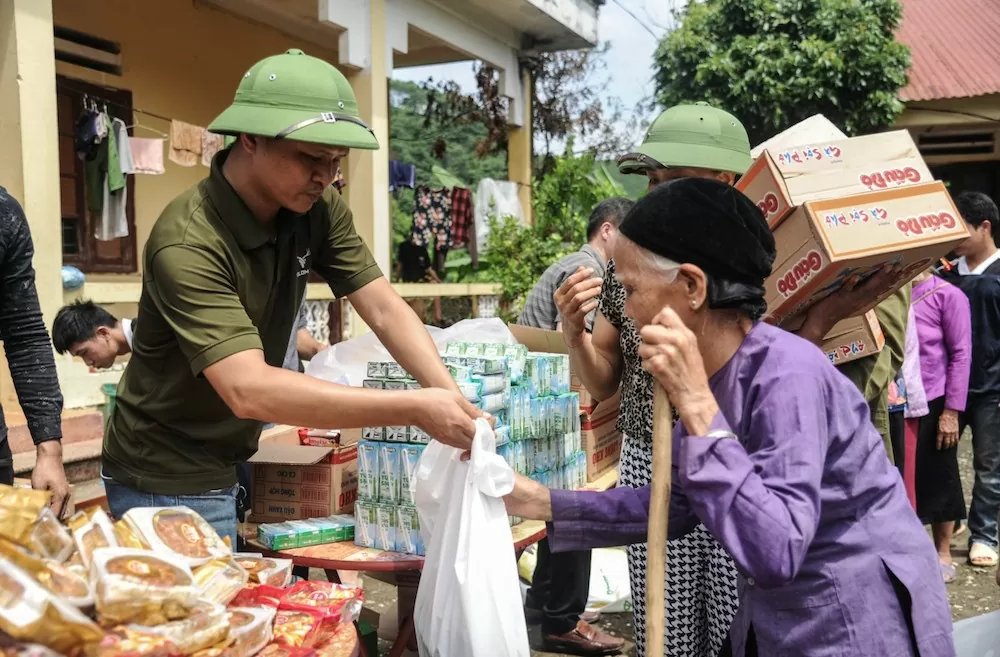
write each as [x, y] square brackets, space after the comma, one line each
[179, 60]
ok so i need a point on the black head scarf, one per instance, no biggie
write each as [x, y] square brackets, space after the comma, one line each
[710, 224]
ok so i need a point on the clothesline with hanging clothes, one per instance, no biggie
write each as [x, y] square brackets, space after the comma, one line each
[451, 217]
[188, 142]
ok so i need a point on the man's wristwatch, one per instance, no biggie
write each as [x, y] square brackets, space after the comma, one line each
[721, 433]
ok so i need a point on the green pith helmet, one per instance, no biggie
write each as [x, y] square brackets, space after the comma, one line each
[298, 97]
[696, 135]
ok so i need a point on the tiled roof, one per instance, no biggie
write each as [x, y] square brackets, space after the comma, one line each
[955, 46]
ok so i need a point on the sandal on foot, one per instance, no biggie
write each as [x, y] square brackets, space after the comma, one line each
[949, 572]
[982, 556]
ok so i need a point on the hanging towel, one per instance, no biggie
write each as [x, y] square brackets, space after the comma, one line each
[210, 145]
[147, 155]
[401, 175]
[496, 198]
[103, 170]
[432, 218]
[185, 143]
[124, 147]
[461, 216]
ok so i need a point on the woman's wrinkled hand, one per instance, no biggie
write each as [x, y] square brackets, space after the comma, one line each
[947, 429]
[529, 500]
[670, 353]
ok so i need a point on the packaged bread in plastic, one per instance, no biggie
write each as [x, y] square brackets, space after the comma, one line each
[263, 570]
[303, 627]
[250, 630]
[207, 626]
[126, 642]
[137, 586]
[11, 648]
[91, 530]
[30, 613]
[127, 537]
[220, 580]
[57, 578]
[179, 531]
[49, 538]
[20, 509]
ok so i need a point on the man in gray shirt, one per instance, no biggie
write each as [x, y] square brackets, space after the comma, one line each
[560, 587]
[540, 309]
[301, 344]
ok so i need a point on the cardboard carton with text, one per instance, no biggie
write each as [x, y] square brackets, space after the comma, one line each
[823, 243]
[600, 437]
[854, 338]
[783, 178]
[295, 482]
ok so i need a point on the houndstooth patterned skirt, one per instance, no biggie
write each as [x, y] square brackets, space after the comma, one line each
[701, 597]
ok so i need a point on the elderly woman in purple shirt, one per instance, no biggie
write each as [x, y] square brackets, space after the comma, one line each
[774, 451]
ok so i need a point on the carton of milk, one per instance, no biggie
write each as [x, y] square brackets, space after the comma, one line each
[388, 473]
[409, 455]
[368, 471]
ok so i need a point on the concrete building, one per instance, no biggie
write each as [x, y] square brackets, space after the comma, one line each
[152, 62]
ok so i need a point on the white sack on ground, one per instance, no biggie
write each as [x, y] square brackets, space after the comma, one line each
[469, 600]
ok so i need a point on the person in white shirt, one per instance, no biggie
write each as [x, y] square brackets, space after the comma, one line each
[90, 332]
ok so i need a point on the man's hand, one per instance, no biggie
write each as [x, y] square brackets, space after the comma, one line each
[576, 297]
[529, 500]
[850, 300]
[947, 429]
[446, 416]
[49, 474]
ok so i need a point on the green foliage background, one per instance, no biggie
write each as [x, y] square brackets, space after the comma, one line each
[773, 63]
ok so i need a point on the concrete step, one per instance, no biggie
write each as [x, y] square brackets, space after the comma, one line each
[78, 425]
[82, 460]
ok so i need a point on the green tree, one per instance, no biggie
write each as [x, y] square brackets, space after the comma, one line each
[516, 256]
[773, 63]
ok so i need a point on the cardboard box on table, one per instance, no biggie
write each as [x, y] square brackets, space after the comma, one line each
[294, 482]
[551, 342]
[600, 437]
[823, 243]
[783, 178]
[854, 338]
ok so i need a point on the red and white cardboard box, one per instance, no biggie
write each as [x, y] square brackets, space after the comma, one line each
[781, 179]
[854, 338]
[823, 243]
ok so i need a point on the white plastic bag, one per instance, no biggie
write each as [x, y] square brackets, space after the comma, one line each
[469, 601]
[346, 362]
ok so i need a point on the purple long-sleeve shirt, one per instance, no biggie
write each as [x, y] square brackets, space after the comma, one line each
[944, 326]
[806, 502]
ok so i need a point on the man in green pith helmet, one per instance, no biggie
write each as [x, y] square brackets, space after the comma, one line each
[703, 141]
[224, 272]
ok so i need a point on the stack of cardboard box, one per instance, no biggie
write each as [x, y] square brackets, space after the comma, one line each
[842, 209]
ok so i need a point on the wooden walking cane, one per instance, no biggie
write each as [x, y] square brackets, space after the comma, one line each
[659, 515]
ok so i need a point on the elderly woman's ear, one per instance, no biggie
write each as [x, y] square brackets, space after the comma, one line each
[695, 285]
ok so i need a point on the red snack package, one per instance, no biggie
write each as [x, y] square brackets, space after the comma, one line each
[258, 596]
[126, 642]
[302, 628]
[283, 650]
[343, 643]
[336, 602]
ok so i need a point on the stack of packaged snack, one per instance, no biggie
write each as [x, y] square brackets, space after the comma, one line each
[159, 582]
[303, 533]
[537, 427]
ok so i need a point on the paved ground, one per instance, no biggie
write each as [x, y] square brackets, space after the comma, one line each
[975, 592]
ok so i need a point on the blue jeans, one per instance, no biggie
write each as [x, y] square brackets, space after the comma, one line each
[217, 507]
[982, 415]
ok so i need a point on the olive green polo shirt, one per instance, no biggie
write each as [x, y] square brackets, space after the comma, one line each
[216, 282]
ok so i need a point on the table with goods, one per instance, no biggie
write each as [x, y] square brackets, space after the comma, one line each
[159, 582]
